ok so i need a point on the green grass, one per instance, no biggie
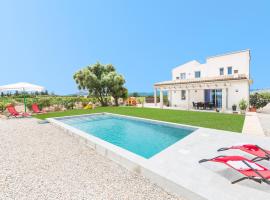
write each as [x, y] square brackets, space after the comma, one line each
[220, 121]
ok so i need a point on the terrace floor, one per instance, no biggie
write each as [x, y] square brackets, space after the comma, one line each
[210, 181]
[177, 169]
[40, 161]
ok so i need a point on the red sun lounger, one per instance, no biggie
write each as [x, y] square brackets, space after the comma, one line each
[14, 113]
[36, 109]
[248, 168]
[260, 153]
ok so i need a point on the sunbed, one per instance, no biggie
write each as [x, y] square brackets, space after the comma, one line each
[36, 109]
[259, 152]
[14, 113]
[246, 167]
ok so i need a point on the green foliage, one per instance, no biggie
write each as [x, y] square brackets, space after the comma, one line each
[266, 95]
[259, 100]
[69, 103]
[102, 81]
[46, 101]
[116, 86]
[140, 99]
[243, 104]
[2, 107]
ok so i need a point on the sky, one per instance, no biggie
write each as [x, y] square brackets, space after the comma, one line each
[46, 42]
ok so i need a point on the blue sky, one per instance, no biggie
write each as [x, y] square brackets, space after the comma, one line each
[45, 42]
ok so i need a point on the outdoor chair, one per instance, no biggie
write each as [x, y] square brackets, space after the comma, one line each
[14, 113]
[200, 105]
[36, 109]
[194, 105]
[248, 168]
[260, 153]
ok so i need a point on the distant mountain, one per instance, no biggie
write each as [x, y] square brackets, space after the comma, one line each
[141, 94]
[79, 93]
[260, 90]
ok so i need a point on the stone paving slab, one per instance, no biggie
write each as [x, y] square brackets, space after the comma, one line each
[264, 119]
[252, 125]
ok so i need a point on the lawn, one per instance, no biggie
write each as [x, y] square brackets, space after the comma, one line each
[220, 121]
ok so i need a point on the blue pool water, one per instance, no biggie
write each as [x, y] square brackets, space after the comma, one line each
[141, 137]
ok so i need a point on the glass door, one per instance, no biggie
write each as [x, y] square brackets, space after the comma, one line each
[214, 97]
[218, 98]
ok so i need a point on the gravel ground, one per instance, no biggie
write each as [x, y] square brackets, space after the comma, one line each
[39, 161]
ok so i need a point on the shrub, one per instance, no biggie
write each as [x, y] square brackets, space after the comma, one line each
[243, 104]
[44, 102]
[69, 103]
[2, 107]
[258, 100]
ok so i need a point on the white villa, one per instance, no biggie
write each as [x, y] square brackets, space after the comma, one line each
[220, 82]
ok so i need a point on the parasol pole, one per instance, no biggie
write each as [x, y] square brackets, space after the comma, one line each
[24, 100]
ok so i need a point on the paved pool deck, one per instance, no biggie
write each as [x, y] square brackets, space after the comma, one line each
[176, 169]
[252, 125]
[264, 119]
[210, 180]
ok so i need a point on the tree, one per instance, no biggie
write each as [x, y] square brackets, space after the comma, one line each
[116, 86]
[102, 81]
[258, 100]
[135, 94]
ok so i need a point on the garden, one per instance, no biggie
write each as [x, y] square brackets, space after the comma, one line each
[107, 91]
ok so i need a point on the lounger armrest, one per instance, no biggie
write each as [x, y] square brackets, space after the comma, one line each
[223, 149]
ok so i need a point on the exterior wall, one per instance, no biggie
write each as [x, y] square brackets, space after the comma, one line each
[194, 96]
[233, 91]
[238, 61]
[237, 91]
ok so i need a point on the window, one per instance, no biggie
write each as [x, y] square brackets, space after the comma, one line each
[235, 71]
[197, 74]
[177, 78]
[229, 70]
[221, 71]
[183, 94]
[183, 76]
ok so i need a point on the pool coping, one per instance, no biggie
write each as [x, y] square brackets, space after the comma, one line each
[127, 159]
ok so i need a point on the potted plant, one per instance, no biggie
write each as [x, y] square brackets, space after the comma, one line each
[257, 101]
[234, 106]
[243, 106]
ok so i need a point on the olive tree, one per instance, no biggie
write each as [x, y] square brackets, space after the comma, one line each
[115, 85]
[102, 82]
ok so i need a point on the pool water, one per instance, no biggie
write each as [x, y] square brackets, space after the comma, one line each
[142, 137]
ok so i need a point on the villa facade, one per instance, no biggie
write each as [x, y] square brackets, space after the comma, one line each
[219, 83]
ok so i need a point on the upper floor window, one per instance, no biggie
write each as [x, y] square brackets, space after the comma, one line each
[229, 69]
[183, 76]
[221, 71]
[177, 77]
[235, 71]
[198, 74]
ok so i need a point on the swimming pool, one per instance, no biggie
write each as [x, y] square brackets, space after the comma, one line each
[142, 137]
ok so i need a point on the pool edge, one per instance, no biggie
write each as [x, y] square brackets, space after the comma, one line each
[128, 159]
